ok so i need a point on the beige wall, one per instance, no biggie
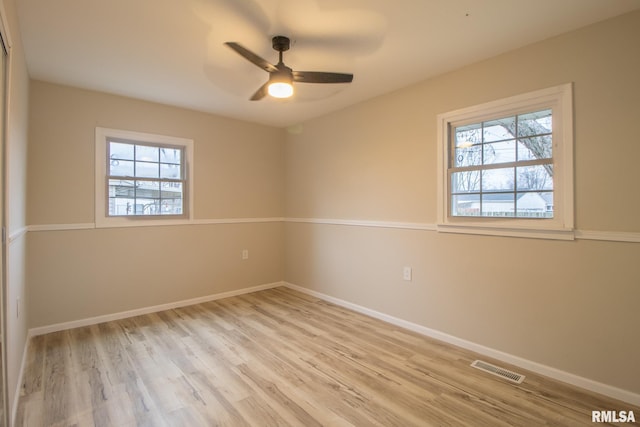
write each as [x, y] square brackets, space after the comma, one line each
[571, 306]
[16, 182]
[238, 165]
[77, 274]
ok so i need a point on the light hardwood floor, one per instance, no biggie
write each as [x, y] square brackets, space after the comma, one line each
[277, 358]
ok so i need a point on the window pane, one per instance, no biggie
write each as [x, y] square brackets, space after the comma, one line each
[538, 147]
[170, 171]
[500, 129]
[500, 152]
[465, 205]
[469, 156]
[171, 190]
[147, 170]
[536, 123]
[466, 136]
[121, 168]
[465, 182]
[539, 177]
[498, 204]
[147, 206]
[147, 154]
[535, 205]
[121, 188]
[121, 151]
[171, 207]
[147, 189]
[120, 207]
[170, 155]
[498, 179]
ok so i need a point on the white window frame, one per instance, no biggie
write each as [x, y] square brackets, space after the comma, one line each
[560, 100]
[101, 148]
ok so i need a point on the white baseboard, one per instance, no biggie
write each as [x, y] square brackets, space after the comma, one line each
[16, 396]
[41, 330]
[548, 371]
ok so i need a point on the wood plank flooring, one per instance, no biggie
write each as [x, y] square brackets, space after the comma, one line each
[277, 358]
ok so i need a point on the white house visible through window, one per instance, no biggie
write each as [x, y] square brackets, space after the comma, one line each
[506, 167]
[142, 179]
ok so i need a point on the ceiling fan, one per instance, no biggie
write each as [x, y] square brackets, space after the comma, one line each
[281, 77]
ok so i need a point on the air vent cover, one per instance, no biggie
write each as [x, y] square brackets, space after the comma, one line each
[498, 371]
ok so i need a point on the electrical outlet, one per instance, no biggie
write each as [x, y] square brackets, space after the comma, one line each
[245, 254]
[406, 273]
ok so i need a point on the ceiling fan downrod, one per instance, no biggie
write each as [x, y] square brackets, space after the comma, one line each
[281, 44]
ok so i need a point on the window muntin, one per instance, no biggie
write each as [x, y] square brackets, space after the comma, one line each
[145, 179]
[503, 167]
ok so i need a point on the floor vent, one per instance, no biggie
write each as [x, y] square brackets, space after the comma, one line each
[496, 370]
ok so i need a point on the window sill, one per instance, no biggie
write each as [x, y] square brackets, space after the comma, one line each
[531, 233]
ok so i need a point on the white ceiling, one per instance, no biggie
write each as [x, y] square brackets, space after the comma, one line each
[172, 51]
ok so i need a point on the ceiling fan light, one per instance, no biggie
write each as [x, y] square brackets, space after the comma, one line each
[280, 89]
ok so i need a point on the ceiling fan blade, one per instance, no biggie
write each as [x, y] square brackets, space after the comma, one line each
[252, 57]
[260, 93]
[321, 77]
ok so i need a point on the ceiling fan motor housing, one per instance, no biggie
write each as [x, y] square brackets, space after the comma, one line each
[281, 43]
[284, 74]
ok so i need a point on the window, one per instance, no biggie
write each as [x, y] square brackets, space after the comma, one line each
[506, 167]
[145, 180]
[141, 179]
